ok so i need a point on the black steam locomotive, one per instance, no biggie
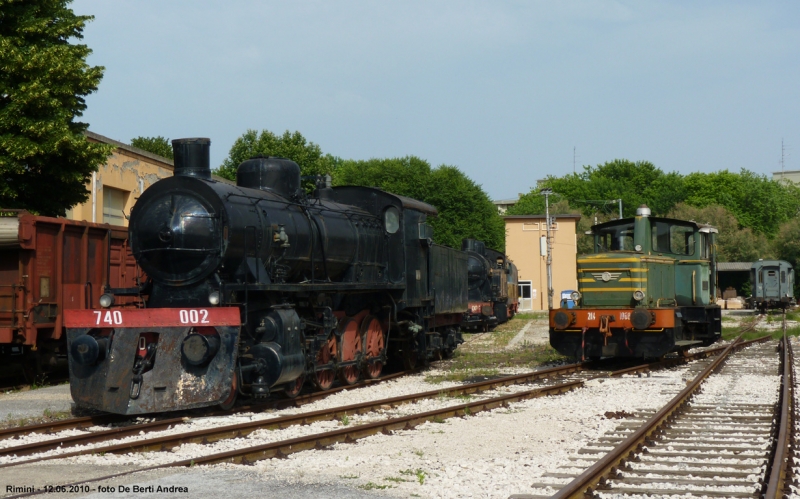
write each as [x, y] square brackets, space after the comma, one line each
[256, 288]
[492, 287]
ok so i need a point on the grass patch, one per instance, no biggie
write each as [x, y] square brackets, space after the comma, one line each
[47, 416]
[345, 420]
[731, 333]
[419, 473]
[373, 485]
[466, 364]
[395, 479]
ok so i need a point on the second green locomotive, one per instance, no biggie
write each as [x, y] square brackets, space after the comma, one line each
[649, 288]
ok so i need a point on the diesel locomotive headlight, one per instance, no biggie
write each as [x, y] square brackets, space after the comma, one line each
[214, 298]
[575, 296]
[106, 300]
[638, 295]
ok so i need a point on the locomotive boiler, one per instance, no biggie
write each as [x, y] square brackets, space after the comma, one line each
[257, 288]
[649, 288]
[492, 286]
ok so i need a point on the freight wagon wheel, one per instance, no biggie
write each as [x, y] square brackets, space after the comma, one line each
[374, 343]
[349, 350]
[293, 388]
[327, 353]
[227, 404]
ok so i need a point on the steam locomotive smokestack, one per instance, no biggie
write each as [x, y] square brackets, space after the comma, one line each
[192, 157]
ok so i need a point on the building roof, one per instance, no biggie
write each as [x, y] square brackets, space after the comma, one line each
[541, 217]
[126, 147]
[734, 266]
[165, 162]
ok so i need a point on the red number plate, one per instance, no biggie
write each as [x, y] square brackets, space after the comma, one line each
[154, 317]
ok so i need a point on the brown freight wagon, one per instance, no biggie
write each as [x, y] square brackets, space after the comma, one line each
[48, 265]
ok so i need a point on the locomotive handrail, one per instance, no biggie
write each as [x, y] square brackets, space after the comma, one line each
[172, 249]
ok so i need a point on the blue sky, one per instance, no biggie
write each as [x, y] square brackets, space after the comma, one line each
[502, 90]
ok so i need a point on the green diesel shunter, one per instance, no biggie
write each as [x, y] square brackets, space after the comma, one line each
[649, 288]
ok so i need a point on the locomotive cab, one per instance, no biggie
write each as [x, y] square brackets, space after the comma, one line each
[648, 288]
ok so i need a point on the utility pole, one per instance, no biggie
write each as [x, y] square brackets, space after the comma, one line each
[782, 158]
[546, 193]
[573, 159]
[620, 208]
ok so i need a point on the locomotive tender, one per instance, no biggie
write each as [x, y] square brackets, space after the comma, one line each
[648, 289]
[772, 284]
[256, 288]
[492, 286]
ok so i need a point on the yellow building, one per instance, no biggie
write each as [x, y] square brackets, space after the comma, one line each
[524, 244]
[119, 182]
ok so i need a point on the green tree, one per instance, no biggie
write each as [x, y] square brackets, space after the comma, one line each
[45, 158]
[757, 202]
[294, 146]
[787, 242]
[156, 145]
[734, 242]
[636, 183]
[465, 210]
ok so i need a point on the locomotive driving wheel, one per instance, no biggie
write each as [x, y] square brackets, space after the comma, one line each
[293, 388]
[227, 404]
[324, 378]
[374, 345]
[350, 348]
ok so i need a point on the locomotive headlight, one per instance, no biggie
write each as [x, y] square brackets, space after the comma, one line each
[106, 300]
[576, 296]
[214, 298]
[638, 295]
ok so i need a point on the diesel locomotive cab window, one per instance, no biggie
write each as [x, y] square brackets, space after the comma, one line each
[616, 238]
[671, 238]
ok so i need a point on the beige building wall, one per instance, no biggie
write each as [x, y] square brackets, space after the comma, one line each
[787, 176]
[523, 236]
[119, 182]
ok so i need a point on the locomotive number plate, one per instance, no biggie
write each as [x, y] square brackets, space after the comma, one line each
[154, 317]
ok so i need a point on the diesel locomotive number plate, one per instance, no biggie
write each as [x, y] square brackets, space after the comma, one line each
[160, 317]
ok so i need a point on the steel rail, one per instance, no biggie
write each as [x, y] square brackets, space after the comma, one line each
[84, 422]
[284, 448]
[779, 467]
[242, 429]
[595, 474]
[231, 431]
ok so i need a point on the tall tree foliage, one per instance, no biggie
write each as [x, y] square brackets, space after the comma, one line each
[156, 145]
[465, 210]
[757, 202]
[597, 189]
[45, 158]
[294, 146]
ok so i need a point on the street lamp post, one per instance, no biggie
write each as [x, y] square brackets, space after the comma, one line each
[546, 193]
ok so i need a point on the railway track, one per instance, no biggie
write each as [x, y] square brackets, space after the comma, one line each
[571, 377]
[730, 439]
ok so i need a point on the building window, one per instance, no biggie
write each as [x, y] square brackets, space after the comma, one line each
[113, 203]
[527, 227]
